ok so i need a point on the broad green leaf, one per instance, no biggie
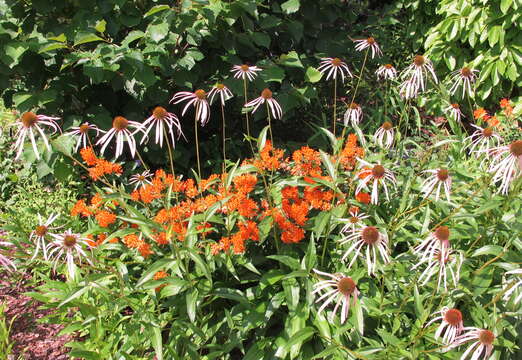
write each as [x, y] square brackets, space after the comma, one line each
[161, 264]
[313, 75]
[289, 261]
[299, 337]
[290, 6]
[488, 250]
[158, 32]
[84, 38]
[156, 9]
[51, 47]
[291, 60]
[157, 342]
[191, 299]
[101, 26]
[505, 5]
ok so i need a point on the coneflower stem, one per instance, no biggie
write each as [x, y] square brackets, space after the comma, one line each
[141, 159]
[335, 105]
[224, 138]
[171, 157]
[197, 139]
[246, 101]
[269, 123]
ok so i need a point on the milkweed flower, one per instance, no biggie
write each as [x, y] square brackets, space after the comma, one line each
[482, 140]
[266, 96]
[455, 112]
[27, 125]
[339, 288]
[506, 168]
[82, 132]
[368, 43]
[198, 99]
[245, 72]
[68, 245]
[437, 240]
[5, 261]
[482, 345]
[511, 288]
[221, 90]
[121, 129]
[417, 74]
[354, 114]
[141, 179]
[386, 72]
[354, 221]
[464, 77]
[439, 178]
[451, 325]
[334, 66]
[441, 264]
[376, 174]
[163, 120]
[384, 135]
[40, 232]
[372, 239]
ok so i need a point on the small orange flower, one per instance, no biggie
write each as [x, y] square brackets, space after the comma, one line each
[133, 241]
[493, 121]
[80, 208]
[247, 208]
[88, 156]
[363, 197]
[248, 231]
[479, 113]
[160, 275]
[105, 218]
[145, 250]
[161, 238]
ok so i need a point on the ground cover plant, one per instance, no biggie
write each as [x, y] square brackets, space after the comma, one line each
[393, 233]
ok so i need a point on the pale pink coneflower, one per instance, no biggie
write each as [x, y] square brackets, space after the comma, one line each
[384, 135]
[376, 174]
[334, 66]
[353, 114]
[221, 90]
[82, 132]
[354, 221]
[40, 232]
[409, 89]
[464, 77]
[437, 240]
[140, 179]
[510, 288]
[5, 261]
[482, 140]
[198, 99]
[417, 73]
[439, 178]
[163, 120]
[339, 288]
[121, 129]
[372, 239]
[68, 245]
[455, 112]
[506, 168]
[245, 72]
[368, 43]
[28, 123]
[482, 346]
[386, 72]
[441, 264]
[266, 96]
[451, 325]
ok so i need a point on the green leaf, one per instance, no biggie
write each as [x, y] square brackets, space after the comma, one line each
[313, 75]
[488, 250]
[156, 9]
[191, 299]
[289, 261]
[505, 5]
[157, 342]
[84, 38]
[14, 51]
[299, 337]
[290, 6]
[232, 294]
[273, 73]
[261, 39]
[60, 38]
[158, 32]
[51, 47]
[153, 269]
[74, 295]
[291, 60]
[101, 26]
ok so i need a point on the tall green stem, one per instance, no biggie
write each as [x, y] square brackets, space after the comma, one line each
[246, 101]
[269, 123]
[224, 138]
[197, 139]
[171, 157]
[334, 120]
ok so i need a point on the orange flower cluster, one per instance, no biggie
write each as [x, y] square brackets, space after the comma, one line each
[307, 162]
[105, 218]
[158, 276]
[363, 197]
[505, 104]
[270, 158]
[134, 241]
[98, 167]
[479, 113]
[350, 153]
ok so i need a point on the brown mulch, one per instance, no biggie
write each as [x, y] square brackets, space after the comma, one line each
[33, 340]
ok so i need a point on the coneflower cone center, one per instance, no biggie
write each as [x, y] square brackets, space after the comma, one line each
[387, 125]
[336, 62]
[40, 230]
[419, 60]
[354, 106]
[453, 317]
[120, 123]
[378, 171]
[486, 337]
[266, 94]
[487, 132]
[346, 286]
[354, 220]
[200, 94]
[84, 128]
[442, 233]
[442, 174]
[220, 86]
[455, 106]
[69, 240]
[370, 235]
[29, 119]
[141, 178]
[388, 66]
[159, 112]
[370, 40]
[465, 72]
[245, 67]
[516, 148]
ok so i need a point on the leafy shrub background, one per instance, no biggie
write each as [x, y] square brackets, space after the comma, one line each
[92, 60]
